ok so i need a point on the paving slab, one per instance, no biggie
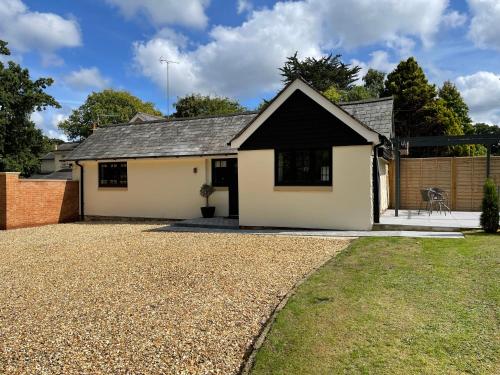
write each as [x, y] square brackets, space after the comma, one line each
[410, 218]
[315, 233]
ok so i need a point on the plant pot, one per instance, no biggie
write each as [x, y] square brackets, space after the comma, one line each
[207, 212]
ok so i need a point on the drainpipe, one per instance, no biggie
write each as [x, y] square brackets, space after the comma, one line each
[82, 210]
[376, 184]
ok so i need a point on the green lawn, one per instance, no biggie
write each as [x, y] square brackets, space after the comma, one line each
[394, 306]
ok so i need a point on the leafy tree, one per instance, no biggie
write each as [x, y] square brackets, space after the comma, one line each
[321, 73]
[485, 129]
[263, 104]
[103, 108]
[412, 92]
[374, 82]
[454, 101]
[21, 143]
[355, 93]
[198, 105]
[489, 207]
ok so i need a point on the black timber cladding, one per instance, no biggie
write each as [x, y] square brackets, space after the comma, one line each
[300, 122]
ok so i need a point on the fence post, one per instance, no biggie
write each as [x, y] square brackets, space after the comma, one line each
[453, 183]
[398, 179]
[488, 161]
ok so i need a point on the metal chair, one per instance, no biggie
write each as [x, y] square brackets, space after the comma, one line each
[440, 196]
[427, 199]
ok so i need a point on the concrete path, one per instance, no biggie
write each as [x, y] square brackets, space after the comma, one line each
[315, 233]
[457, 219]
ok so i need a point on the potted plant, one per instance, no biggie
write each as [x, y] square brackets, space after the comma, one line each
[206, 191]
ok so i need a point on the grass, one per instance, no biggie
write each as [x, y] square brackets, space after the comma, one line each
[394, 306]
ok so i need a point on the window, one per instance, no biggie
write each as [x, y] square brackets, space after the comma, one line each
[220, 172]
[303, 167]
[112, 174]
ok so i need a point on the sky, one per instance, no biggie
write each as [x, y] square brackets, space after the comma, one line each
[234, 48]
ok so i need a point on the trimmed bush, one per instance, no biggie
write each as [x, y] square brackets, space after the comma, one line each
[489, 214]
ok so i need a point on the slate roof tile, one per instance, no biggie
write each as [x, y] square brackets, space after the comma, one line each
[201, 136]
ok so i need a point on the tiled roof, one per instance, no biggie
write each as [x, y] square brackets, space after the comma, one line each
[201, 136]
[141, 116]
[375, 113]
[49, 156]
[68, 146]
[163, 138]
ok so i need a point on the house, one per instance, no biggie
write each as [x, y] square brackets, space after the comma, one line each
[302, 162]
[54, 165]
[142, 117]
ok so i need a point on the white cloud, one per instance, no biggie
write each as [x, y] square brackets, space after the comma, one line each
[243, 60]
[47, 121]
[379, 60]
[481, 92]
[363, 22]
[86, 78]
[25, 30]
[485, 25]
[244, 6]
[164, 12]
[454, 19]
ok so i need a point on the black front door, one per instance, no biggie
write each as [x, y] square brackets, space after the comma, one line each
[233, 186]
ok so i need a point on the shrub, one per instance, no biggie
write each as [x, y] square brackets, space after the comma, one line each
[206, 191]
[489, 214]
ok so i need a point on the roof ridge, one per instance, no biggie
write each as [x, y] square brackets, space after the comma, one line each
[176, 119]
[372, 100]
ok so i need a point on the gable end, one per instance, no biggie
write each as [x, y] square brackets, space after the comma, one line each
[300, 122]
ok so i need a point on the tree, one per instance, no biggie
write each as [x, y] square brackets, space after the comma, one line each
[103, 108]
[489, 207]
[485, 129]
[198, 105]
[374, 82]
[355, 93]
[454, 101]
[21, 143]
[412, 92]
[321, 73]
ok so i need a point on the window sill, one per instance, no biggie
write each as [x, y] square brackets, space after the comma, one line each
[112, 188]
[303, 188]
[221, 188]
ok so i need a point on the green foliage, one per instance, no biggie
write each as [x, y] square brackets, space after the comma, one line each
[374, 82]
[206, 191]
[485, 129]
[321, 73]
[355, 93]
[489, 208]
[103, 108]
[454, 101]
[333, 94]
[412, 93]
[263, 105]
[198, 105]
[21, 143]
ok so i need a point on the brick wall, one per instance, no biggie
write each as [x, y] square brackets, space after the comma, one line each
[28, 203]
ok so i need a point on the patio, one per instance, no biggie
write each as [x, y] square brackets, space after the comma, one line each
[411, 220]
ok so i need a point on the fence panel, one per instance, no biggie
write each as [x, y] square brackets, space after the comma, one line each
[461, 177]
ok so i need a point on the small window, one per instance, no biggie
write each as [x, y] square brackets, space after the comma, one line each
[220, 172]
[303, 167]
[112, 174]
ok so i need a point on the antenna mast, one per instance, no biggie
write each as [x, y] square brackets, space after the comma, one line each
[168, 62]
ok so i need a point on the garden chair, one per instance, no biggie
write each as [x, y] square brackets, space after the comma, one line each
[427, 200]
[440, 196]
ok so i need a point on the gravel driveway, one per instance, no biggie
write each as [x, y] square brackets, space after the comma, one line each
[118, 298]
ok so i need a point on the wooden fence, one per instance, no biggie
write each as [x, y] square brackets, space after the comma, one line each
[461, 177]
